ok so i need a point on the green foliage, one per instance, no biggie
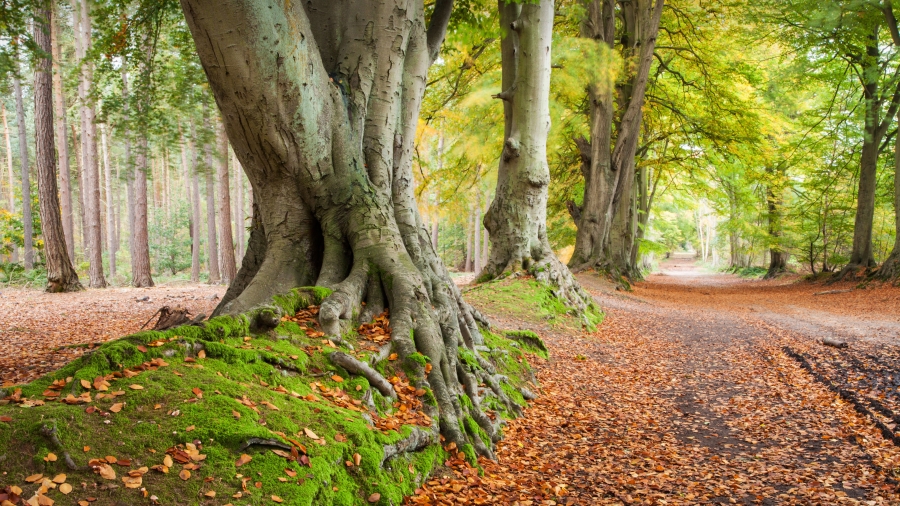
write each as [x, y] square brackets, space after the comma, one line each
[170, 239]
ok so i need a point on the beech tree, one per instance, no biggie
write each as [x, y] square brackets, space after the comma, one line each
[61, 275]
[517, 217]
[27, 224]
[605, 218]
[320, 102]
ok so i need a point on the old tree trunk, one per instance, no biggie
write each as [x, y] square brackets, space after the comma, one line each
[517, 218]
[320, 102]
[606, 219]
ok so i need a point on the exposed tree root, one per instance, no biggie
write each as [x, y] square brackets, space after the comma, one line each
[50, 432]
[357, 367]
[417, 440]
[269, 443]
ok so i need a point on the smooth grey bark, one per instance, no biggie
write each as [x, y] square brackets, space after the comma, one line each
[470, 231]
[27, 225]
[61, 275]
[517, 217]
[609, 167]
[229, 269]
[62, 145]
[91, 180]
[322, 116]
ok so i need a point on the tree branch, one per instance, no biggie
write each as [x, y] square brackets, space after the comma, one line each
[437, 27]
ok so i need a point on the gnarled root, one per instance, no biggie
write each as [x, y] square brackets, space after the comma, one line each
[357, 367]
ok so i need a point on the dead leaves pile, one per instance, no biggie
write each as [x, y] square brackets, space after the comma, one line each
[378, 331]
[408, 407]
[308, 320]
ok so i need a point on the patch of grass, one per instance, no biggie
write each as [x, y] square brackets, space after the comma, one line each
[530, 301]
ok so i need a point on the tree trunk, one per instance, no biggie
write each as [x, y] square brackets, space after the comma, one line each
[140, 259]
[239, 223]
[79, 179]
[212, 247]
[777, 256]
[194, 197]
[62, 145]
[470, 232]
[61, 275]
[129, 166]
[110, 205]
[27, 225]
[91, 180]
[890, 269]
[9, 162]
[517, 217]
[334, 196]
[229, 269]
[476, 267]
[609, 176]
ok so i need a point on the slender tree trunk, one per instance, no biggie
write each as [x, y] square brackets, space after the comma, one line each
[212, 247]
[91, 181]
[9, 161]
[470, 232]
[79, 179]
[110, 204]
[477, 261]
[239, 224]
[194, 197]
[129, 165]
[61, 275]
[27, 225]
[62, 145]
[777, 256]
[325, 217]
[229, 269]
[517, 218]
[485, 236]
[140, 260]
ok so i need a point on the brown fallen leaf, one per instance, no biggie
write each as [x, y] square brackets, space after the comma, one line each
[106, 471]
[184, 475]
[136, 387]
[210, 493]
[115, 408]
[65, 488]
[337, 378]
[34, 478]
[243, 459]
[86, 384]
[51, 457]
[277, 499]
[189, 428]
[310, 434]
[375, 497]
[59, 478]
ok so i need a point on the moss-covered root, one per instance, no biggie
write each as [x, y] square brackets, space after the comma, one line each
[529, 340]
[354, 366]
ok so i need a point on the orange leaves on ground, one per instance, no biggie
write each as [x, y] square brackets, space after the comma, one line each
[244, 458]
[378, 331]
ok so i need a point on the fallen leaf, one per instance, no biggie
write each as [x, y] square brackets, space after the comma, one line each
[337, 378]
[34, 477]
[375, 497]
[59, 478]
[185, 475]
[65, 488]
[51, 457]
[135, 387]
[309, 433]
[244, 458]
[115, 408]
[277, 499]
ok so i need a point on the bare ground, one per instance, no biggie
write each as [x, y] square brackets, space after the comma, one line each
[40, 332]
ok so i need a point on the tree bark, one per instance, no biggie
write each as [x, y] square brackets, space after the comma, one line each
[9, 162]
[609, 176]
[229, 269]
[91, 180]
[470, 231]
[129, 165]
[110, 205]
[27, 225]
[322, 116]
[517, 217]
[194, 197]
[61, 275]
[890, 269]
[62, 145]
[140, 259]
[212, 247]
[239, 223]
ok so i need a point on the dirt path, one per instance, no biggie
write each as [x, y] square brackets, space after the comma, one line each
[41, 332]
[693, 392]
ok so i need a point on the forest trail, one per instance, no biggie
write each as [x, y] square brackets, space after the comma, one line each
[692, 392]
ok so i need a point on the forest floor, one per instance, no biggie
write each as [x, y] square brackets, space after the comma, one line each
[694, 391]
[41, 332]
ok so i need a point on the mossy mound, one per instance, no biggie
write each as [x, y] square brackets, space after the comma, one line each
[217, 387]
[528, 300]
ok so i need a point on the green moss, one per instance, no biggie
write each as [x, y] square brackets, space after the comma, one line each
[529, 341]
[467, 357]
[419, 358]
[523, 298]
